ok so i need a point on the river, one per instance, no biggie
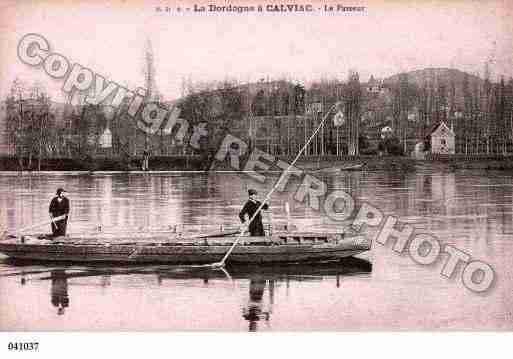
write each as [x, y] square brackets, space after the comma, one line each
[380, 290]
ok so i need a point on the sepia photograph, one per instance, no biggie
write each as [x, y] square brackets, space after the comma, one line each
[246, 166]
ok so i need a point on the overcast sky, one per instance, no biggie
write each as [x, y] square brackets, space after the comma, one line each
[389, 37]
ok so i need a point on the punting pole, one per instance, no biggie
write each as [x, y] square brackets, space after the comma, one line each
[223, 261]
[287, 211]
[40, 224]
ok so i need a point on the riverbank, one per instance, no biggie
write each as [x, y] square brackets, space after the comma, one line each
[313, 164]
[492, 165]
[489, 162]
[199, 163]
[160, 163]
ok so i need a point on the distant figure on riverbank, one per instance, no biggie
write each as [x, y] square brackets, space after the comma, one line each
[256, 227]
[146, 160]
[59, 206]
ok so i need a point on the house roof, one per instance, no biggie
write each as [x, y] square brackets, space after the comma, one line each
[437, 125]
[372, 82]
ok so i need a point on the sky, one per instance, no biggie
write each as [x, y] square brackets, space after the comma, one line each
[388, 37]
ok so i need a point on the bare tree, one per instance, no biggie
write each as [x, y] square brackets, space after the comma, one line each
[352, 101]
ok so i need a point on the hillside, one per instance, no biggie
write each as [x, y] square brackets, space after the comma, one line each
[435, 75]
[439, 76]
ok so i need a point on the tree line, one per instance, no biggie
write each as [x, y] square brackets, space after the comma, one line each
[479, 112]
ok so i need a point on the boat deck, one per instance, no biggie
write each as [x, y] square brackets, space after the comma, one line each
[286, 247]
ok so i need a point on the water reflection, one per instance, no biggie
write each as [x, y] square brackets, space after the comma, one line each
[60, 298]
[254, 310]
[260, 282]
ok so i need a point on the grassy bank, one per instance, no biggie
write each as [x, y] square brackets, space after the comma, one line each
[157, 163]
[196, 163]
[491, 165]
[491, 162]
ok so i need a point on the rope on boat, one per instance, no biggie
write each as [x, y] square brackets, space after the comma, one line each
[222, 262]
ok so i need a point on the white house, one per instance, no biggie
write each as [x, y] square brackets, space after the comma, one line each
[105, 139]
[442, 139]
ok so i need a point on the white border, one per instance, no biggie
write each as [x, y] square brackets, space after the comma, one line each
[258, 346]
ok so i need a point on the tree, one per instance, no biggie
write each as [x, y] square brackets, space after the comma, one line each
[299, 99]
[217, 104]
[16, 115]
[487, 105]
[391, 146]
[28, 121]
[353, 111]
[404, 98]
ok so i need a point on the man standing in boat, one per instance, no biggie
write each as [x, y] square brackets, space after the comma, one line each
[59, 206]
[256, 227]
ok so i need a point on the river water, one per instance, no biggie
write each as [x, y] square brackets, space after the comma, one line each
[380, 290]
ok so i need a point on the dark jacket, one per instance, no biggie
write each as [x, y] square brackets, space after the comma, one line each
[256, 228]
[58, 208]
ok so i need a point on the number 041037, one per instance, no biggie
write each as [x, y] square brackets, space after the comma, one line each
[18, 346]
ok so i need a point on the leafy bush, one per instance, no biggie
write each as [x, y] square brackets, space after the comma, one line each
[391, 146]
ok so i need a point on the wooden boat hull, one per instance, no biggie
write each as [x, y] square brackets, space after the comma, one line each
[251, 250]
